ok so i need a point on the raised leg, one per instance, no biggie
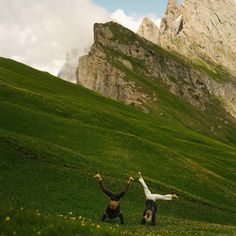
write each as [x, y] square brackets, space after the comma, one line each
[145, 187]
[106, 191]
[166, 197]
[121, 194]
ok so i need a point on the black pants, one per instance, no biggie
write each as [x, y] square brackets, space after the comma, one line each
[111, 195]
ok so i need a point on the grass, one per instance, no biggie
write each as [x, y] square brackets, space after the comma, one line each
[54, 136]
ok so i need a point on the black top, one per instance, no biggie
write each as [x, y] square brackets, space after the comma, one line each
[113, 213]
[150, 205]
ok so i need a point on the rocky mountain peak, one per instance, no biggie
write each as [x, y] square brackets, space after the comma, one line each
[149, 30]
[201, 28]
[97, 70]
[118, 54]
[119, 60]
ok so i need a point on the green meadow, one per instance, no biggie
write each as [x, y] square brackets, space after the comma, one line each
[54, 136]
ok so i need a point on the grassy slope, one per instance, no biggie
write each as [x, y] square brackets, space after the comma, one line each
[221, 127]
[54, 136]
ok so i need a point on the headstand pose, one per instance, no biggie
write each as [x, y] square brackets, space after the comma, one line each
[150, 206]
[113, 209]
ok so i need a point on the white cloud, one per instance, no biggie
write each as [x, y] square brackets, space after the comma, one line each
[132, 21]
[39, 33]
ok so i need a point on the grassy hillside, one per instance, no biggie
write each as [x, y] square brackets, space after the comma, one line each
[54, 136]
[222, 126]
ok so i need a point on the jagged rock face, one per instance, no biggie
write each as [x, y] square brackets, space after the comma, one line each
[95, 72]
[194, 85]
[180, 80]
[149, 30]
[201, 28]
[226, 91]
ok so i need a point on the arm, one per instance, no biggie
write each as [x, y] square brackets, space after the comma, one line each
[121, 218]
[154, 218]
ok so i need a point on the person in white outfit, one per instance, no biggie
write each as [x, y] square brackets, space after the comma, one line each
[150, 205]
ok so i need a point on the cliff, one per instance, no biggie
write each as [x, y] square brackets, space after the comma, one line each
[115, 45]
[202, 29]
[149, 30]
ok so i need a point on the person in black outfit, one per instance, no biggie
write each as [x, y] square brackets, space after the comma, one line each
[150, 205]
[113, 209]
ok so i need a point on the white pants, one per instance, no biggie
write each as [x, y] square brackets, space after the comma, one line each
[154, 197]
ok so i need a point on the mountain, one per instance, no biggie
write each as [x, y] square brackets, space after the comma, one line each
[201, 29]
[118, 56]
[188, 28]
[54, 136]
[149, 30]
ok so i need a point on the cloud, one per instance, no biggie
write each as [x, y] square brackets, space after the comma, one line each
[132, 21]
[40, 33]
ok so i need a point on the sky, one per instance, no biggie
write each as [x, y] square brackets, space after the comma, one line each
[41, 32]
[140, 7]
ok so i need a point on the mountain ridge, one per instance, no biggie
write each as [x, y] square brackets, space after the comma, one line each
[200, 29]
[114, 44]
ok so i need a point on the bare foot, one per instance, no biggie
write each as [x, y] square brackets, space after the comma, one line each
[175, 197]
[139, 174]
[98, 177]
[130, 179]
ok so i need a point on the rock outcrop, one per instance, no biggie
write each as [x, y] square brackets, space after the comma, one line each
[201, 30]
[113, 43]
[205, 29]
[97, 73]
[149, 30]
[205, 32]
